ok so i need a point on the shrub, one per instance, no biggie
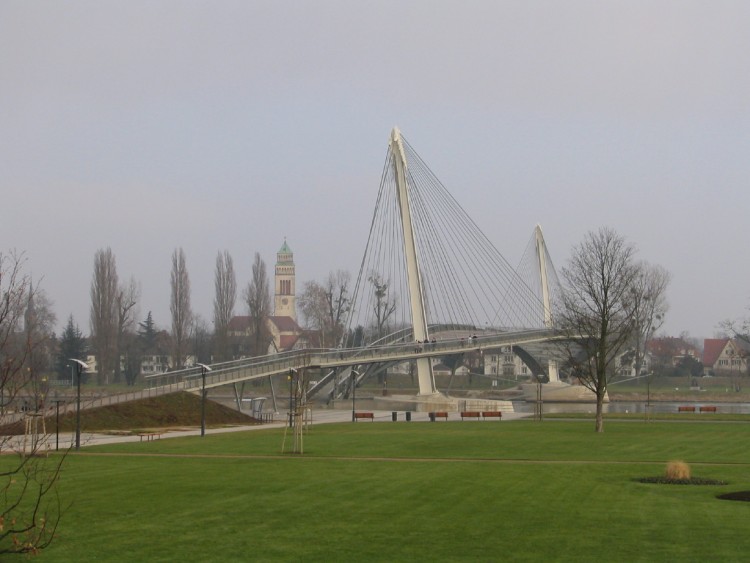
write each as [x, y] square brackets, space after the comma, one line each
[677, 470]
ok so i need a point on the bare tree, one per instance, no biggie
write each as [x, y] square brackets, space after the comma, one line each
[29, 505]
[15, 346]
[339, 302]
[225, 284]
[258, 298]
[312, 305]
[649, 303]
[201, 340]
[179, 306]
[324, 306]
[127, 309]
[104, 293]
[453, 362]
[597, 312]
[383, 306]
[39, 325]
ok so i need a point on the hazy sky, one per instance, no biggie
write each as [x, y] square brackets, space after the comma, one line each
[146, 126]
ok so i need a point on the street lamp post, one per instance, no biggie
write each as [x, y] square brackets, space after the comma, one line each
[204, 369]
[354, 392]
[57, 423]
[80, 366]
[292, 372]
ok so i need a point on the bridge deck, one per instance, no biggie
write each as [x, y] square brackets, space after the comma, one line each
[255, 368]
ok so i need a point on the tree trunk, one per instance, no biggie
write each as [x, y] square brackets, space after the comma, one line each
[600, 411]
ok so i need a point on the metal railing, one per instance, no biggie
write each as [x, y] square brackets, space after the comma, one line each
[244, 369]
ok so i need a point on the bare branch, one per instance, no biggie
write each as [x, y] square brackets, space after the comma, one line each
[29, 505]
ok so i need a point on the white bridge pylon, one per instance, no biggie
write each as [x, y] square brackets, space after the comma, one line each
[425, 375]
[541, 254]
[415, 283]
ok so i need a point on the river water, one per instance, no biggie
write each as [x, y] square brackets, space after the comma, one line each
[631, 407]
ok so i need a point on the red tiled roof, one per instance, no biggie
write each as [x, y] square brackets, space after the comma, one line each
[239, 324]
[287, 341]
[285, 324]
[712, 348]
[671, 347]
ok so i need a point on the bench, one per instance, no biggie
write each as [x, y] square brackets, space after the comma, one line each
[439, 414]
[686, 409]
[149, 436]
[707, 409]
[470, 414]
[492, 414]
[364, 415]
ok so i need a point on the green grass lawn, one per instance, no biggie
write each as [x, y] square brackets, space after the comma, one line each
[458, 491]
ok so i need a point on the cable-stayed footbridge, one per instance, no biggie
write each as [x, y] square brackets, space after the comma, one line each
[430, 284]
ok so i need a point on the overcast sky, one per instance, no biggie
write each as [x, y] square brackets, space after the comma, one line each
[150, 125]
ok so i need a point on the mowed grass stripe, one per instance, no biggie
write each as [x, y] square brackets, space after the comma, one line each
[523, 440]
[303, 459]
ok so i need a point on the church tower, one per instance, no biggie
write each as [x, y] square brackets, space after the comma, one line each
[284, 301]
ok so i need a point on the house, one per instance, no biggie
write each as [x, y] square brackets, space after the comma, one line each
[725, 356]
[625, 363]
[155, 363]
[670, 351]
[505, 363]
[285, 334]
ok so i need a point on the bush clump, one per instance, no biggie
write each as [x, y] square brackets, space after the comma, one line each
[661, 480]
[677, 471]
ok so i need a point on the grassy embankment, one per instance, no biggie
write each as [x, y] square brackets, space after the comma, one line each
[173, 411]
